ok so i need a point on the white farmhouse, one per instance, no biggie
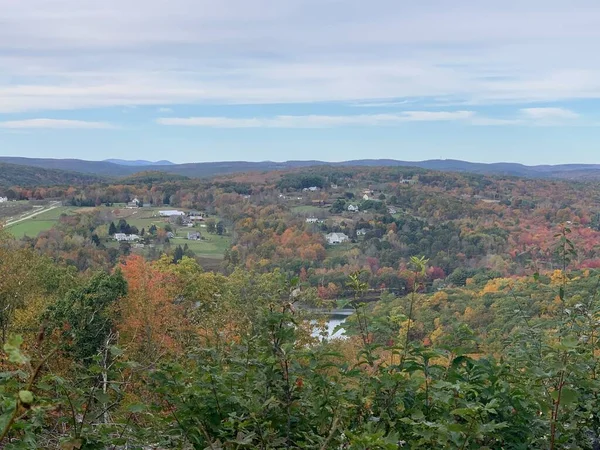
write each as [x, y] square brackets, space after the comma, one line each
[3, 199]
[312, 220]
[352, 208]
[361, 232]
[336, 238]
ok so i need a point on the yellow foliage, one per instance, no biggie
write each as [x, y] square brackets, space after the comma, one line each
[439, 298]
[558, 277]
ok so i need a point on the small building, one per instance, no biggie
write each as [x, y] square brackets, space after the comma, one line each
[336, 238]
[170, 234]
[392, 210]
[311, 189]
[352, 208]
[194, 236]
[365, 197]
[3, 199]
[122, 237]
[196, 216]
[410, 181]
[361, 232]
[135, 203]
[312, 220]
[171, 213]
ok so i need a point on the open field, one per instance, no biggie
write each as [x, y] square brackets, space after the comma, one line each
[35, 225]
[213, 247]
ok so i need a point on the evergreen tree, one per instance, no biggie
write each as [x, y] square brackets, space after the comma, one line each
[178, 255]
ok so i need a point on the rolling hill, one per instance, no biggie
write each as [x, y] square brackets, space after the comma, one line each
[19, 175]
[194, 170]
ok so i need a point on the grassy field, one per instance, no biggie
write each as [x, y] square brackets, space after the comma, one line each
[42, 222]
[213, 246]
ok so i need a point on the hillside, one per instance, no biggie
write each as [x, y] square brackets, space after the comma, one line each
[27, 176]
[118, 168]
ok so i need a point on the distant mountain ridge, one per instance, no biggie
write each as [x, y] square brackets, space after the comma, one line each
[28, 176]
[139, 162]
[207, 169]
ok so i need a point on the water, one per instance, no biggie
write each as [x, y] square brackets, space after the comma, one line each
[334, 319]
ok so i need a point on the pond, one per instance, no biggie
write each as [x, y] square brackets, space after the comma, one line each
[333, 319]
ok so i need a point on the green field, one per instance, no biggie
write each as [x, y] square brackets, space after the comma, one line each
[42, 222]
[213, 246]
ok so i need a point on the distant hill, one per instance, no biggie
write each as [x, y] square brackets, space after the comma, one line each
[75, 165]
[196, 170]
[25, 176]
[139, 162]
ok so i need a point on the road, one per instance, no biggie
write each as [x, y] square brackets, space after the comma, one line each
[33, 214]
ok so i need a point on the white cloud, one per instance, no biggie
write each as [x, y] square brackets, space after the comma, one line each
[317, 121]
[71, 54]
[54, 123]
[165, 110]
[549, 113]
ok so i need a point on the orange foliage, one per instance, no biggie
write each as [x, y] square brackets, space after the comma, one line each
[151, 324]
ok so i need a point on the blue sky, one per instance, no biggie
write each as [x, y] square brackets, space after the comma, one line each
[199, 80]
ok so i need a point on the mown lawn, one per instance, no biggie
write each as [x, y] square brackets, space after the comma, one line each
[214, 246]
[31, 228]
[42, 222]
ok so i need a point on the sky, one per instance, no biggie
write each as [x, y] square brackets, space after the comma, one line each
[333, 80]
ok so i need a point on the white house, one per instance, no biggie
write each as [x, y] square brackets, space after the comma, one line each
[361, 232]
[312, 220]
[365, 197]
[194, 236]
[311, 189]
[3, 199]
[135, 203]
[352, 208]
[392, 210]
[122, 237]
[336, 238]
[171, 213]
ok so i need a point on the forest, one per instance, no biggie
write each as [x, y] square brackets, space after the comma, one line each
[159, 311]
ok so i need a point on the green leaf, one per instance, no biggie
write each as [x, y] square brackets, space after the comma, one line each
[26, 397]
[136, 408]
[13, 350]
[568, 396]
[115, 351]
[102, 397]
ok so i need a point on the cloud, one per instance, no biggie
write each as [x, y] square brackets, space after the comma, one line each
[549, 113]
[69, 54]
[165, 110]
[55, 124]
[317, 121]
